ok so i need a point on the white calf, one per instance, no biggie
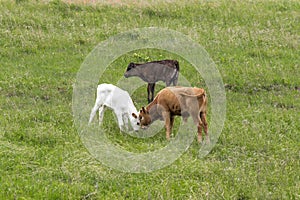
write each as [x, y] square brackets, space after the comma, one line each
[119, 101]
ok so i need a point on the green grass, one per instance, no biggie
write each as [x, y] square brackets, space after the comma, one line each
[255, 45]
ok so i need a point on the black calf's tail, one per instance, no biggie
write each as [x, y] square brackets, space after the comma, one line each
[176, 65]
[175, 77]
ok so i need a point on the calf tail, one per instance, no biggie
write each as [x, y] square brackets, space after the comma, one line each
[175, 76]
[176, 63]
[204, 97]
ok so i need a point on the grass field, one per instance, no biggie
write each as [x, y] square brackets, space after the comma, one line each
[255, 45]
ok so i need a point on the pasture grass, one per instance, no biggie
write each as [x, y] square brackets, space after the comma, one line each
[255, 45]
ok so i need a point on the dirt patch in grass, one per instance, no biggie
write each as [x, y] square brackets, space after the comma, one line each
[137, 3]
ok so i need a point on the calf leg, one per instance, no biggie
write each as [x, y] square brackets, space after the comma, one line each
[199, 126]
[101, 114]
[166, 116]
[171, 123]
[94, 111]
[168, 82]
[125, 120]
[184, 116]
[198, 122]
[150, 90]
[175, 80]
[205, 126]
[120, 120]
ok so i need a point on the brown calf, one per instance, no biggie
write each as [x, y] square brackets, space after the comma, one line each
[181, 101]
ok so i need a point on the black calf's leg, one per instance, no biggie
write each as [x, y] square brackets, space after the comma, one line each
[150, 90]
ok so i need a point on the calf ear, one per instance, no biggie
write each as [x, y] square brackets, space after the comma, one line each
[134, 115]
[143, 109]
[131, 65]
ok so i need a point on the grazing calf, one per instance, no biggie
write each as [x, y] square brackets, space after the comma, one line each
[151, 72]
[172, 101]
[119, 101]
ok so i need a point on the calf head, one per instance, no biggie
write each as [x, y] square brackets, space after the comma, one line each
[130, 70]
[144, 119]
[135, 123]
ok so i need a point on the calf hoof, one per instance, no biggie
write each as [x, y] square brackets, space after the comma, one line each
[200, 140]
[207, 141]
